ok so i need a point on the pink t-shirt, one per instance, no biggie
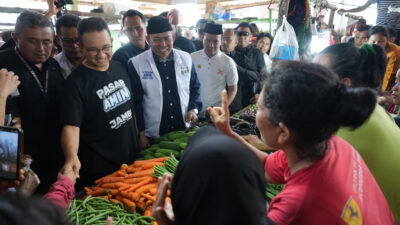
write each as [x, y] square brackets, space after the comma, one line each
[338, 189]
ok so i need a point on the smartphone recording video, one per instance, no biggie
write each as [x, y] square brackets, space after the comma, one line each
[10, 149]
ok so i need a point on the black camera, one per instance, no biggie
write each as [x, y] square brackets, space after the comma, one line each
[61, 3]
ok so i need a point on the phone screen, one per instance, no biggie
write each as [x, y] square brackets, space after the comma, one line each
[9, 153]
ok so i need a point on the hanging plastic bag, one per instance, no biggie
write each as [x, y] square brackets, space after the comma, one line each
[285, 44]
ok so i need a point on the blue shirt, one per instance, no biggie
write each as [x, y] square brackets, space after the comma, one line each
[128, 51]
[171, 116]
[385, 18]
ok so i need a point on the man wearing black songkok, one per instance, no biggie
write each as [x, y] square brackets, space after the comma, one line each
[215, 70]
[165, 84]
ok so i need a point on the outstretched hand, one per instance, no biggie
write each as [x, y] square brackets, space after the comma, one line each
[220, 115]
[162, 210]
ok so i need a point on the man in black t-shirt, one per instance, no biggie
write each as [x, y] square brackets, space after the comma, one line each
[97, 112]
[249, 63]
[37, 104]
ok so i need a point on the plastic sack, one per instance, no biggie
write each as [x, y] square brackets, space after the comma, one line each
[285, 44]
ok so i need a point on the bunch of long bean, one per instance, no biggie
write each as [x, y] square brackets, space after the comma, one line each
[94, 210]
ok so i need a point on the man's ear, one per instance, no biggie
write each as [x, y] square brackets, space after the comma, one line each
[58, 40]
[284, 135]
[346, 81]
[112, 40]
[14, 37]
[148, 39]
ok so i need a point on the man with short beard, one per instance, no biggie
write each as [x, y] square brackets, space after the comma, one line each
[165, 84]
[37, 104]
[134, 26]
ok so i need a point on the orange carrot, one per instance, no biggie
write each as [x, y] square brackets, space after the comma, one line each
[99, 192]
[168, 199]
[121, 173]
[113, 191]
[127, 195]
[141, 162]
[151, 165]
[143, 173]
[149, 202]
[115, 201]
[147, 212]
[152, 198]
[128, 204]
[96, 188]
[141, 203]
[155, 223]
[141, 183]
[153, 191]
[112, 179]
[168, 192]
[134, 169]
[113, 185]
[105, 197]
[87, 190]
[124, 187]
[146, 188]
[135, 196]
[134, 180]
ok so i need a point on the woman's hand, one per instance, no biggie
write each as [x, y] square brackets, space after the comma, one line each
[162, 210]
[220, 115]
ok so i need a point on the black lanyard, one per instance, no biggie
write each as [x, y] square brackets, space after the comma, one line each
[43, 90]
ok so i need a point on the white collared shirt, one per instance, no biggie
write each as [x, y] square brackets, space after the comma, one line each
[268, 63]
[214, 74]
[65, 64]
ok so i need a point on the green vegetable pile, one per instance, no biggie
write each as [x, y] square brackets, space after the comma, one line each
[172, 143]
[95, 210]
[170, 166]
[273, 190]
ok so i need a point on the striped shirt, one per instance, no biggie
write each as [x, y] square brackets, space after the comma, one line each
[385, 18]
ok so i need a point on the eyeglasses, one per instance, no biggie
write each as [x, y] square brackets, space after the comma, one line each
[69, 42]
[94, 51]
[243, 33]
[362, 38]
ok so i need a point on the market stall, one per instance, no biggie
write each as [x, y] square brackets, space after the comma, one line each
[128, 194]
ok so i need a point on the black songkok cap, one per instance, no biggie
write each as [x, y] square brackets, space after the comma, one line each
[215, 29]
[158, 24]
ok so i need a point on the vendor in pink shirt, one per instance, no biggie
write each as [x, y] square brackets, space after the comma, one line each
[326, 181]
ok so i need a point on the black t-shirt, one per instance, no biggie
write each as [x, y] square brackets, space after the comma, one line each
[101, 105]
[39, 114]
[184, 44]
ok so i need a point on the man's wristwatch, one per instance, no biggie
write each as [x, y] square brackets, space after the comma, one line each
[196, 111]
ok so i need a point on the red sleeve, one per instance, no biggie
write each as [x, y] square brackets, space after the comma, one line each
[276, 165]
[284, 207]
[61, 192]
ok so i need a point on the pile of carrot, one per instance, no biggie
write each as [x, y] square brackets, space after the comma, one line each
[133, 186]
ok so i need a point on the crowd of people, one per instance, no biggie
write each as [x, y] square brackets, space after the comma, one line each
[86, 110]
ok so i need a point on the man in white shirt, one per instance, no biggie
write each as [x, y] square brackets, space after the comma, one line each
[215, 70]
[67, 37]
